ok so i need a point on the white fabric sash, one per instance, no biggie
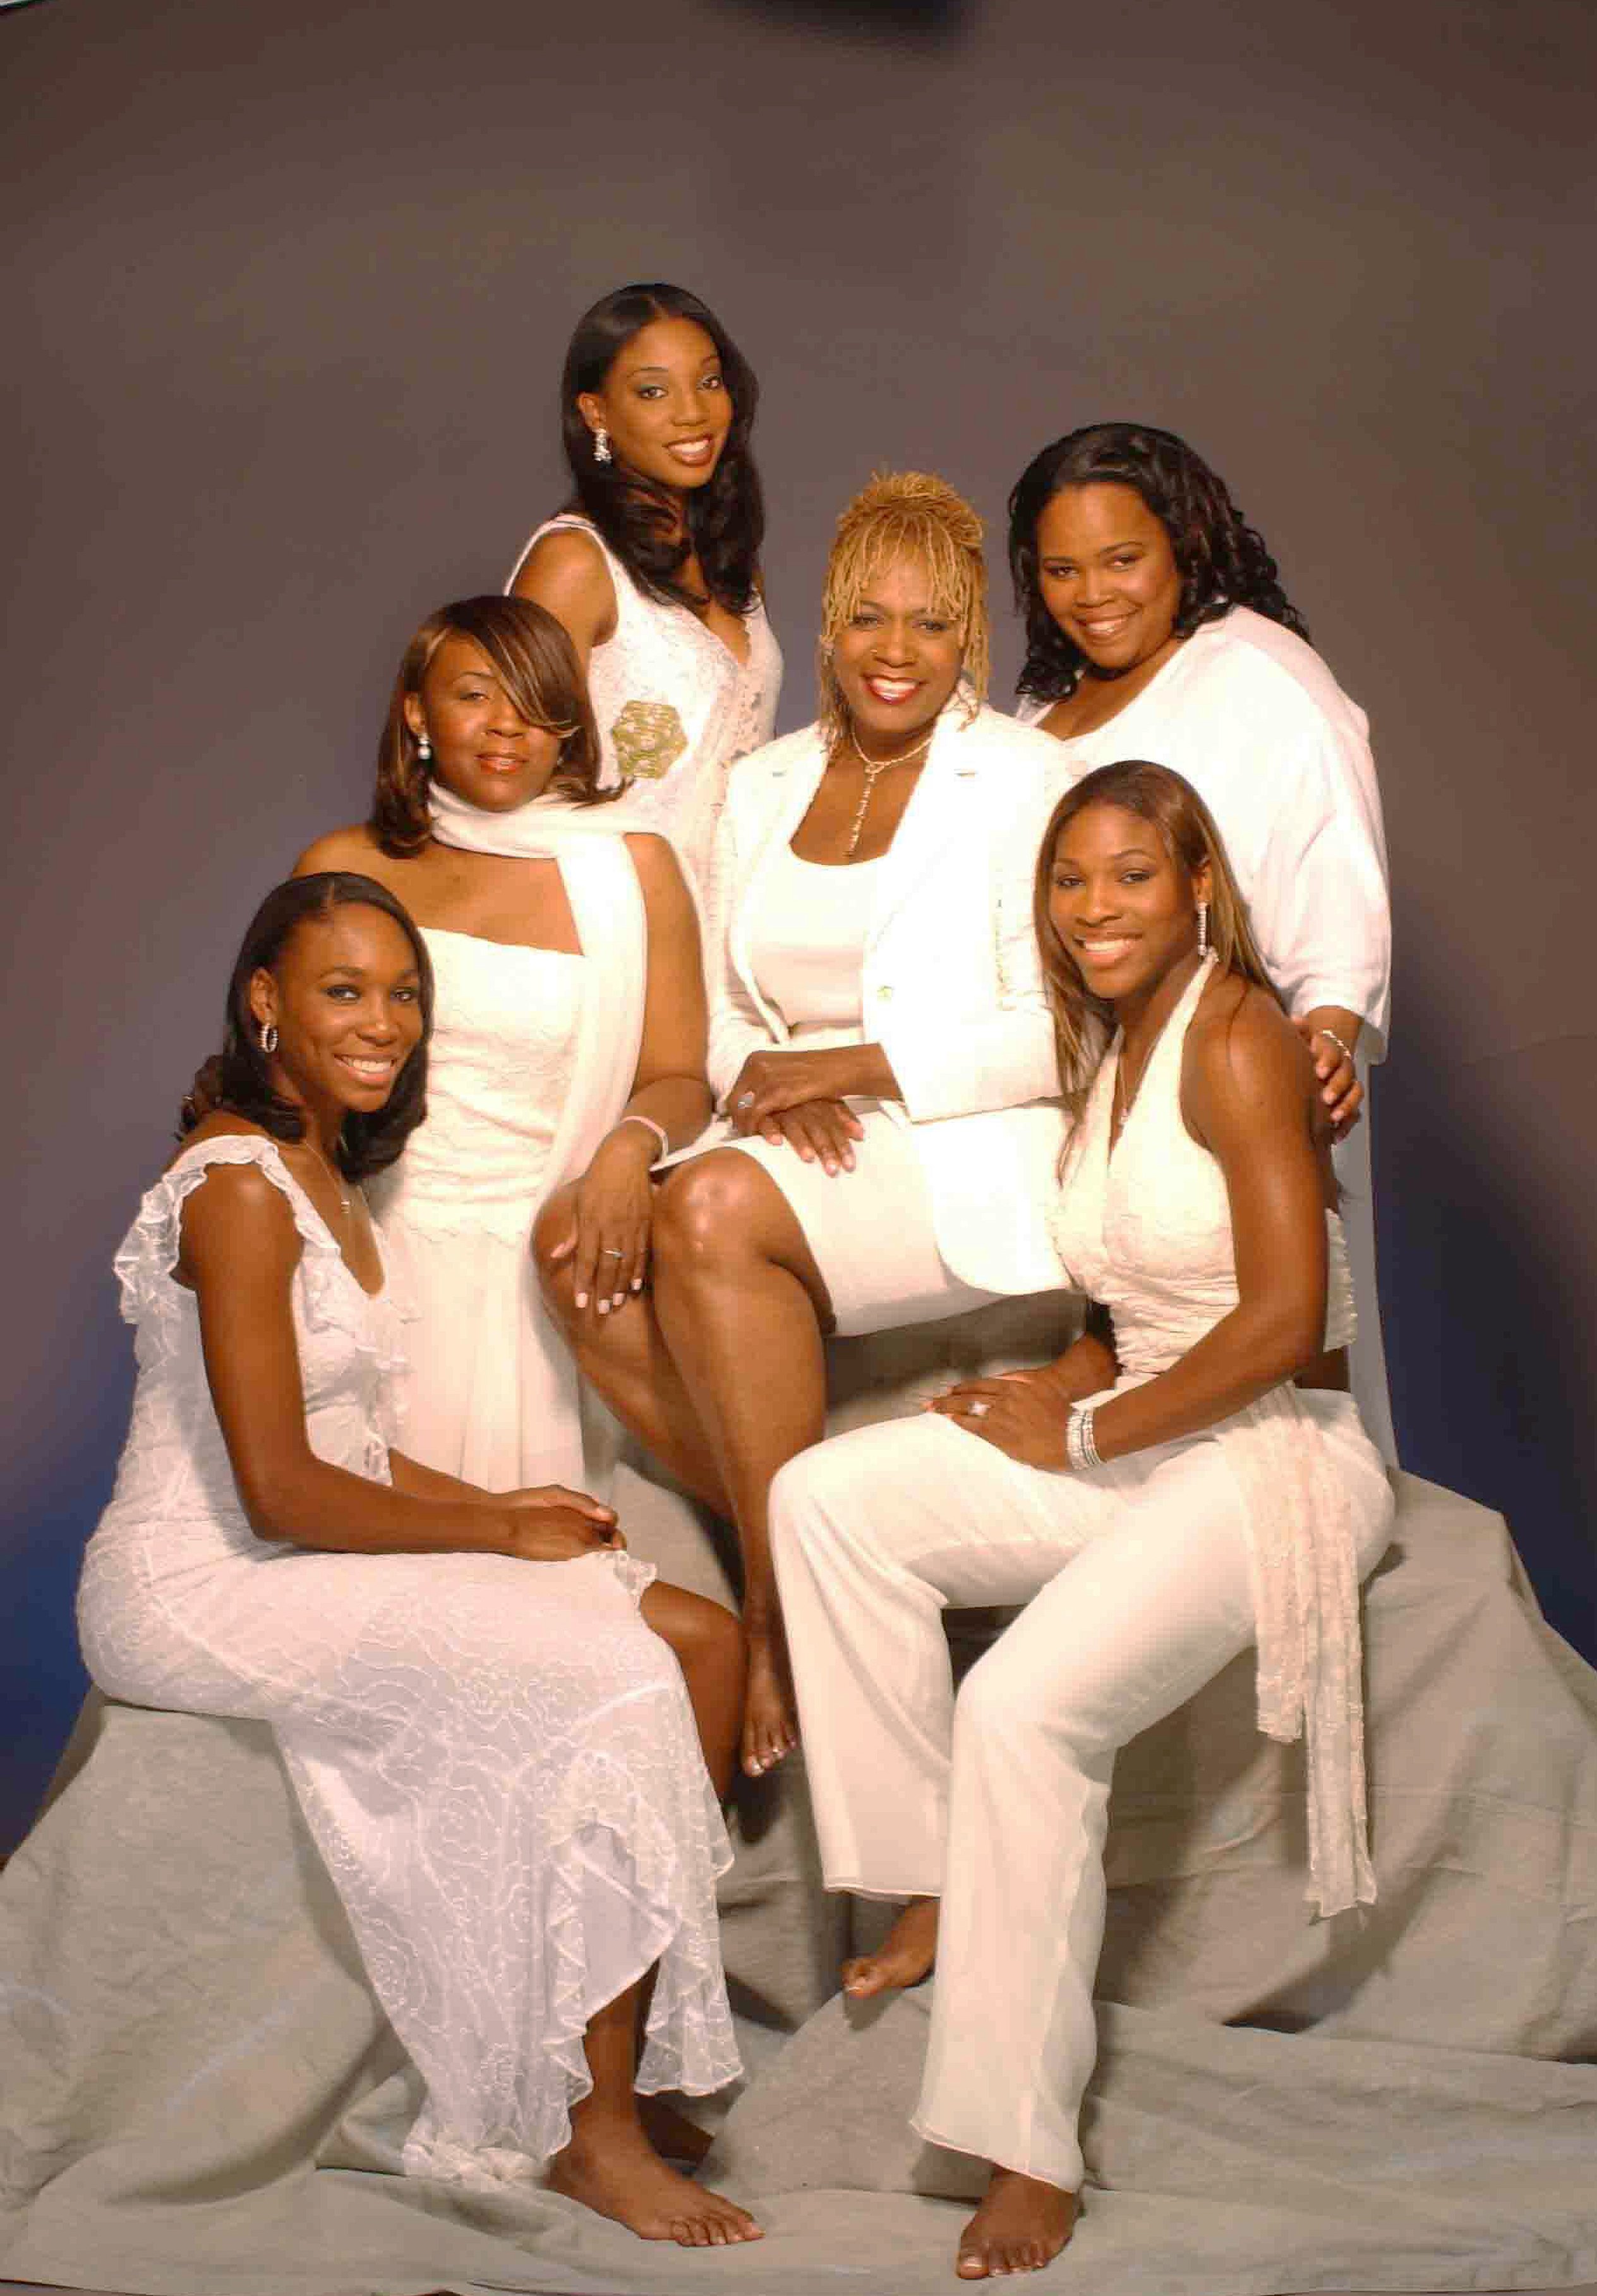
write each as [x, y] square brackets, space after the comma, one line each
[607, 906]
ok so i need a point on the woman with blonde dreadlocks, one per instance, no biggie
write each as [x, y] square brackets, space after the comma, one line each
[880, 1039]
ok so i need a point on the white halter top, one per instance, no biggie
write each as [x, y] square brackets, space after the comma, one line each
[1145, 1230]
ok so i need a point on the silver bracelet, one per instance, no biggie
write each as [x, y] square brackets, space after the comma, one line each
[658, 1130]
[1345, 1050]
[1080, 1449]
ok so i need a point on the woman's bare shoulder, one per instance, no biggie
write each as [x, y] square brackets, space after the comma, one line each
[354, 848]
[1242, 1053]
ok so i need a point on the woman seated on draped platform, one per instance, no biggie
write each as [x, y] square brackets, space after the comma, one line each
[879, 1038]
[495, 1755]
[1186, 1480]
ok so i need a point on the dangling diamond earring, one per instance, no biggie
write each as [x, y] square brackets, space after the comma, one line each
[423, 748]
[602, 445]
[268, 1038]
[1203, 927]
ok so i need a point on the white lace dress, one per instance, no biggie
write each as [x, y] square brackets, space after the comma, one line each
[497, 1758]
[675, 707]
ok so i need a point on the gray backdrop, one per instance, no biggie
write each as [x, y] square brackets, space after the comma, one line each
[288, 290]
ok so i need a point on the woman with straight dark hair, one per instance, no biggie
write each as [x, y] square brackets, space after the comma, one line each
[1182, 1482]
[1156, 622]
[470, 1742]
[653, 565]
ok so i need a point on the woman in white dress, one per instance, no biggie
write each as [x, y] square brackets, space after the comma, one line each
[570, 1046]
[499, 1765]
[653, 566]
[1157, 626]
[1184, 1481]
[879, 1035]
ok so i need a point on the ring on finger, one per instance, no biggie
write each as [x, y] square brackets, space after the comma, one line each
[610, 1251]
[979, 1409]
[745, 1100]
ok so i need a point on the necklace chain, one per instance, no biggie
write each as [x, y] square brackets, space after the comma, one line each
[875, 769]
[332, 1172]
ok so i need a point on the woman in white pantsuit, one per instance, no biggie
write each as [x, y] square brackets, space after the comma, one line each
[1162, 1495]
[880, 1037]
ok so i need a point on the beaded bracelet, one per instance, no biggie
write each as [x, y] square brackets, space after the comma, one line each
[1080, 1449]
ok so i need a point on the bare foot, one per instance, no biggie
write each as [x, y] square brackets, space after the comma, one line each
[673, 2136]
[1021, 2225]
[770, 1729]
[904, 1958]
[611, 2167]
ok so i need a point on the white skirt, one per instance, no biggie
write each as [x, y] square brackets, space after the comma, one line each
[871, 1230]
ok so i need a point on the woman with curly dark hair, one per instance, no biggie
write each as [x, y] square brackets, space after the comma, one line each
[1156, 624]
[653, 565]
[460, 1732]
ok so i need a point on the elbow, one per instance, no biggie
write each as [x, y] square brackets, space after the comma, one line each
[274, 1502]
[1290, 1338]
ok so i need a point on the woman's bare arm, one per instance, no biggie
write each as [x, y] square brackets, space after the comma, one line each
[239, 1251]
[565, 572]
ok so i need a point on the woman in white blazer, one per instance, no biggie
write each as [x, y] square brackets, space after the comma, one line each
[879, 1042]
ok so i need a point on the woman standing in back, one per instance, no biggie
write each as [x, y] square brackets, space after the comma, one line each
[653, 566]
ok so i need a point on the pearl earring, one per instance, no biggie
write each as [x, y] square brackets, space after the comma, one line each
[423, 748]
[602, 452]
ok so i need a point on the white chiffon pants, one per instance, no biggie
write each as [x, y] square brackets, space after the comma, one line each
[1137, 1583]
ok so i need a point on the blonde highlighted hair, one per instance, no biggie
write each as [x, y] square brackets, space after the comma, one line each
[906, 514]
[1083, 1023]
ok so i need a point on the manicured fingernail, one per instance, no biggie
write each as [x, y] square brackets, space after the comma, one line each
[617, 1298]
[637, 1282]
[604, 1307]
[582, 1299]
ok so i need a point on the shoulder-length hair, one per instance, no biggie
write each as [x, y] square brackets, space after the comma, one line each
[906, 514]
[725, 517]
[238, 1078]
[1222, 560]
[1083, 1022]
[538, 662]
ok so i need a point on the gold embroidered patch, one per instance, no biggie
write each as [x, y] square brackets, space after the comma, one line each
[648, 739]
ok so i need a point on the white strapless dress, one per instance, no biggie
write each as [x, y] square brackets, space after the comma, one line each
[497, 1758]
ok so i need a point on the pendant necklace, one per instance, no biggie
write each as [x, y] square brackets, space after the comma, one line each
[332, 1172]
[875, 769]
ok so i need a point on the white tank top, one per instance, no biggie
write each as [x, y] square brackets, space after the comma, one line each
[674, 705]
[807, 949]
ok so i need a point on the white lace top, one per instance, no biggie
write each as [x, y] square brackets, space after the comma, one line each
[674, 706]
[174, 1466]
[1145, 1230]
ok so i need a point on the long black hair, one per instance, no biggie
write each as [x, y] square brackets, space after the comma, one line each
[238, 1078]
[725, 517]
[1222, 560]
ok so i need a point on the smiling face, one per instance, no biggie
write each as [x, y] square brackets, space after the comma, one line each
[896, 658]
[1122, 905]
[346, 998]
[665, 403]
[484, 750]
[1107, 577]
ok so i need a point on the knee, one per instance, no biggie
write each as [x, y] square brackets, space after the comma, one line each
[708, 1212]
[708, 1638]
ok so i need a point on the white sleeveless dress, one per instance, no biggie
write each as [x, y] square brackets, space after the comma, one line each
[490, 1393]
[1140, 1579]
[497, 1758]
[674, 705]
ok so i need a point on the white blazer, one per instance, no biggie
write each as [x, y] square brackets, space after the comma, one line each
[952, 987]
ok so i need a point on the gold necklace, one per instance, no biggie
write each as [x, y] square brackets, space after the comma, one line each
[875, 769]
[332, 1172]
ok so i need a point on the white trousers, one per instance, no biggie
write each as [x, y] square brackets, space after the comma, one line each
[1137, 1582]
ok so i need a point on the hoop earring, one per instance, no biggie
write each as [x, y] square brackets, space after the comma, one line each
[1203, 927]
[268, 1038]
[602, 452]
